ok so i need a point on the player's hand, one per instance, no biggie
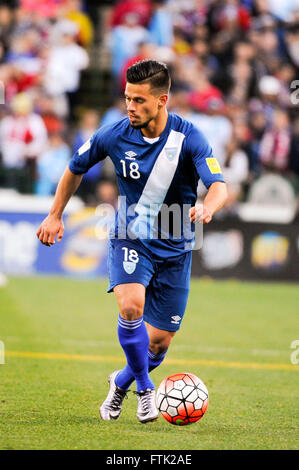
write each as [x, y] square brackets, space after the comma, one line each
[49, 228]
[199, 213]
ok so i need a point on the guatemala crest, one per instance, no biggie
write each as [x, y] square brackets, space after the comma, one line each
[129, 266]
[171, 153]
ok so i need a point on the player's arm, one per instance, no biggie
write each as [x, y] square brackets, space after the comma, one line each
[209, 171]
[90, 153]
[52, 225]
[214, 200]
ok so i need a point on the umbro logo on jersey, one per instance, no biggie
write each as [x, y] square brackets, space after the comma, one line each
[175, 319]
[131, 155]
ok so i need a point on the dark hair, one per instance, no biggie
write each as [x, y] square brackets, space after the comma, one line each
[150, 71]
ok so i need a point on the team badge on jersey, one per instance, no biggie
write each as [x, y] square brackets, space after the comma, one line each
[129, 266]
[213, 165]
[171, 153]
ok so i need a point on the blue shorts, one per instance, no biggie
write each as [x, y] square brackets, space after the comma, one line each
[167, 281]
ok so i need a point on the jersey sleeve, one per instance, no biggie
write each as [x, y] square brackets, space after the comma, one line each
[91, 152]
[206, 165]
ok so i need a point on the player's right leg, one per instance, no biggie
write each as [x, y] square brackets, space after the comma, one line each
[132, 333]
[130, 272]
[134, 339]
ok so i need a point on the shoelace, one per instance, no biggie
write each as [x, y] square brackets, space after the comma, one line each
[118, 398]
[145, 398]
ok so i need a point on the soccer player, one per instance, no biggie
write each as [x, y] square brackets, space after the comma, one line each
[158, 159]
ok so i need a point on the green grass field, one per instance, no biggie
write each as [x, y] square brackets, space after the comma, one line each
[61, 344]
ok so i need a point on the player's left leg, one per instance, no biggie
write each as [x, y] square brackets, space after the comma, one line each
[165, 304]
[159, 343]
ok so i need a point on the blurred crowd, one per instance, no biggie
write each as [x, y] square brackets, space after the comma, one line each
[233, 64]
[44, 46]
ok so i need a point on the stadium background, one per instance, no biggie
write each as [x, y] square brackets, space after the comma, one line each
[234, 65]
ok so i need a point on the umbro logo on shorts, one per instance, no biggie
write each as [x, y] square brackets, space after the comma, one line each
[175, 319]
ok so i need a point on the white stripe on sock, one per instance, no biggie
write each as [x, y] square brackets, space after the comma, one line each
[130, 325]
[130, 322]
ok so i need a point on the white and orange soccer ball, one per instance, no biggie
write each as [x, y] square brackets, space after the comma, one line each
[182, 398]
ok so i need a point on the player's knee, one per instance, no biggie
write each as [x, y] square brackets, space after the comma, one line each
[131, 309]
[157, 348]
[160, 344]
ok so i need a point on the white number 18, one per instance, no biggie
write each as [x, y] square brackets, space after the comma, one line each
[133, 168]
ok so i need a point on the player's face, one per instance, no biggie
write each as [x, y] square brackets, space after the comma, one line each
[142, 105]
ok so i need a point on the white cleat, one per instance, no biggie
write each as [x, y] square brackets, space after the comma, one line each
[147, 410]
[112, 406]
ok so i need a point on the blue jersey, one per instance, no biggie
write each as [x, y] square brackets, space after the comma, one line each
[153, 175]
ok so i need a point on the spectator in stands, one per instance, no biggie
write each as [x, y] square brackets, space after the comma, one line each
[125, 39]
[269, 88]
[211, 121]
[178, 102]
[88, 126]
[51, 164]
[106, 193]
[257, 127]
[23, 137]
[23, 52]
[275, 144]
[6, 27]
[235, 171]
[285, 75]
[161, 26]
[45, 106]
[201, 50]
[294, 155]
[116, 112]
[231, 16]
[215, 125]
[241, 73]
[203, 92]
[65, 62]
[180, 45]
[73, 11]
[292, 42]
[140, 8]
[42, 8]
[145, 51]
[267, 44]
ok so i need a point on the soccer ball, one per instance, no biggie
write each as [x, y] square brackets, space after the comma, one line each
[182, 398]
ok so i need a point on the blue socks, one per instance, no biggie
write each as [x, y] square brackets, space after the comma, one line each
[126, 376]
[134, 340]
[154, 360]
